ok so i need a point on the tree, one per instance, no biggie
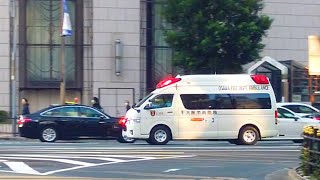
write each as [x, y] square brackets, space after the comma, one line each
[210, 36]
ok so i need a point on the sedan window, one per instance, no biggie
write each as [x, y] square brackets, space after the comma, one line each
[63, 112]
[282, 113]
[300, 109]
[87, 112]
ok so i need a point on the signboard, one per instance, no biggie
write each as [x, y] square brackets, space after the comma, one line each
[314, 55]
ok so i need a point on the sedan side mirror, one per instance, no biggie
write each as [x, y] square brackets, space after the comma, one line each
[296, 118]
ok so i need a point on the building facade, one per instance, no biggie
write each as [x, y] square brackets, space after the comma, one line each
[90, 53]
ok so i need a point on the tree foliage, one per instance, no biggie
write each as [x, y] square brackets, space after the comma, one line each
[219, 36]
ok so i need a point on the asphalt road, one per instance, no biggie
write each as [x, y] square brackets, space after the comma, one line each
[177, 160]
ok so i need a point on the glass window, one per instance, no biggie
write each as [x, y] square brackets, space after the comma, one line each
[282, 113]
[87, 112]
[161, 101]
[143, 100]
[252, 101]
[300, 109]
[64, 112]
[293, 108]
[40, 53]
[226, 101]
[305, 109]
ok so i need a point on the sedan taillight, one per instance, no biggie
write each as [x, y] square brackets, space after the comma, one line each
[123, 121]
[316, 118]
[23, 120]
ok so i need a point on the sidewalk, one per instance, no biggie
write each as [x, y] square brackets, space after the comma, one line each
[294, 175]
[11, 137]
[284, 174]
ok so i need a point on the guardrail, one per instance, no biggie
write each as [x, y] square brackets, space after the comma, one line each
[310, 153]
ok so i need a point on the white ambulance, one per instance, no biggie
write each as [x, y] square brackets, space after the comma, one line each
[237, 107]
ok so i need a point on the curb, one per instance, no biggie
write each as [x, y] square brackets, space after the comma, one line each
[14, 138]
[293, 174]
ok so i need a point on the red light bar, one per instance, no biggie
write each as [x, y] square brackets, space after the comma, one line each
[167, 82]
[260, 79]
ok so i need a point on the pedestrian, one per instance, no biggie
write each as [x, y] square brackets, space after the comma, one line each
[96, 104]
[127, 104]
[25, 106]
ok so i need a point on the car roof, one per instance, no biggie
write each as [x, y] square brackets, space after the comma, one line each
[68, 105]
[293, 103]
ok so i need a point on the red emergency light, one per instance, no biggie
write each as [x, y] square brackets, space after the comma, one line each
[260, 79]
[167, 82]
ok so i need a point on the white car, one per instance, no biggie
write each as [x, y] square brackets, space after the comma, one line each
[291, 126]
[299, 109]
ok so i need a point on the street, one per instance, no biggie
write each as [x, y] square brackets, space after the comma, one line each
[177, 160]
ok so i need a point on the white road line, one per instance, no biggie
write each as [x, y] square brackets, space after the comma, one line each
[81, 166]
[171, 170]
[33, 148]
[69, 157]
[133, 160]
[184, 150]
[68, 161]
[20, 167]
[131, 156]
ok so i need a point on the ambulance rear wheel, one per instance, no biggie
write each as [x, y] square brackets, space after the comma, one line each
[160, 135]
[248, 135]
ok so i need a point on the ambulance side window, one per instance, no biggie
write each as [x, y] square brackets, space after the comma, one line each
[161, 101]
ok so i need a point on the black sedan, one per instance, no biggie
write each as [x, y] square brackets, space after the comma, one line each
[65, 121]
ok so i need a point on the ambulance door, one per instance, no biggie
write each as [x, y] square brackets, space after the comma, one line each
[197, 119]
[160, 109]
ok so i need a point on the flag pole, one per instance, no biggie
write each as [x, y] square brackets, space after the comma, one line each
[62, 59]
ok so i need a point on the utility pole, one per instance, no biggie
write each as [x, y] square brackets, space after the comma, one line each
[62, 73]
[13, 15]
[62, 59]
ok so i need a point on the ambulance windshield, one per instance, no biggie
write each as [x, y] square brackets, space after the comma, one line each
[143, 100]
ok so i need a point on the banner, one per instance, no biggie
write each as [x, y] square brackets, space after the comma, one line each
[66, 24]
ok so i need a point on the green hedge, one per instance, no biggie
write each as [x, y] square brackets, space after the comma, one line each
[4, 116]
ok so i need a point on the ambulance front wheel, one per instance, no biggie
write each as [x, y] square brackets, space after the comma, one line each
[159, 135]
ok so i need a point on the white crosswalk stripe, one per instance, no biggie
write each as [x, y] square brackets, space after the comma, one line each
[20, 167]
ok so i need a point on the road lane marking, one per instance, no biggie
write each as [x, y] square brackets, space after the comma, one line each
[148, 147]
[20, 167]
[96, 157]
[108, 163]
[171, 170]
[68, 161]
[80, 164]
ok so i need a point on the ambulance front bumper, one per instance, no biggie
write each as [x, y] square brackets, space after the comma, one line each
[133, 131]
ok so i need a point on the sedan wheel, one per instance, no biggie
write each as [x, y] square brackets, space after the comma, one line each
[48, 134]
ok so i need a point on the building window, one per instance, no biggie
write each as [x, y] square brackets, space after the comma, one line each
[40, 40]
[158, 54]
